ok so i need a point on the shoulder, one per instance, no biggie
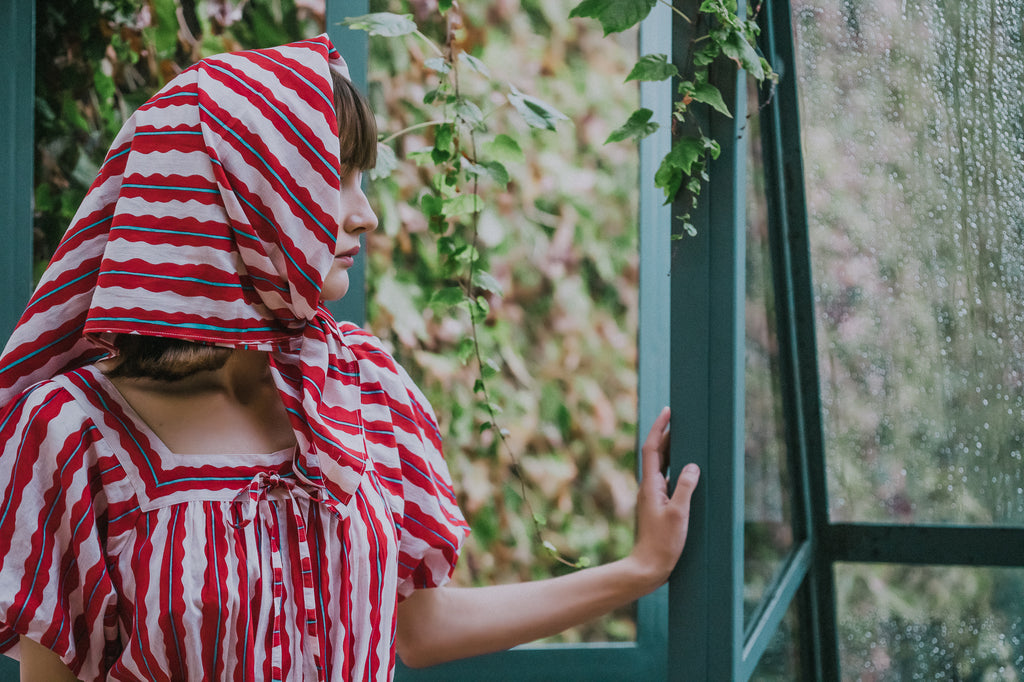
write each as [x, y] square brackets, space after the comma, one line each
[366, 347]
[47, 412]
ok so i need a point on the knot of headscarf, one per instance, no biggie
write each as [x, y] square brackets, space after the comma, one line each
[214, 219]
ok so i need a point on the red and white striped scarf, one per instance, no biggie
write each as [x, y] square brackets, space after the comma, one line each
[214, 219]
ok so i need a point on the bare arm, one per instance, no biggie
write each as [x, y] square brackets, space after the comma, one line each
[39, 663]
[447, 623]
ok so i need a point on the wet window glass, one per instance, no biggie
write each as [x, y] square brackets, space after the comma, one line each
[911, 115]
[767, 529]
[930, 623]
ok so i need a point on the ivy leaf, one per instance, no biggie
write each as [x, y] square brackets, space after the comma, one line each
[469, 112]
[710, 95]
[432, 205]
[637, 127]
[678, 163]
[503, 148]
[475, 64]
[465, 349]
[385, 24]
[438, 64]
[614, 15]
[497, 172]
[536, 112]
[387, 162]
[486, 281]
[491, 169]
[461, 204]
[737, 48]
[652, 67]
[446, 298]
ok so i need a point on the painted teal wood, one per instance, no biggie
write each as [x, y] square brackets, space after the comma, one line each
[353, 46]
[17, 84]
[798, 357]
[707, 374]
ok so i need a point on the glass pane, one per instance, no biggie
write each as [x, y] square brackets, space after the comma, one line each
[780, 662]
[767, 535]
[914, 156]
[930, 623]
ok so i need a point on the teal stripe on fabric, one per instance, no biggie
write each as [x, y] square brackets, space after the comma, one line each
[297, 74]
[197, 280]
[266, 165]
[143, 133]
[175, 188]
[63, 286]
[183, 325]
[286, 119]
[37, 351]
[156, 230]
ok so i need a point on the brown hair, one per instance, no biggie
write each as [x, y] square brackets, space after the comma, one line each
[171, 359]
[357, 127]
[164, 359]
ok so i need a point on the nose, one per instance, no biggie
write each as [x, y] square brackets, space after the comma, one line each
[358, 217]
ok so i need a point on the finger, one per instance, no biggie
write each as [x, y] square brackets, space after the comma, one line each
[651, 450]
[685, 485]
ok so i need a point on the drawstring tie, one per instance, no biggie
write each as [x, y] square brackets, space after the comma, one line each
[251, 497]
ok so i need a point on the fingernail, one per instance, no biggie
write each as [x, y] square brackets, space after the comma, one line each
[691, 468]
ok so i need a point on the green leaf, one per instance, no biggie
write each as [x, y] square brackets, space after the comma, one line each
[443, 136]
[461, 204]
[444, 5]
[486, 281]
[497, 172]
[738, 49]
[432, 205]
[475, 64]
[387, 162]
[504, 149]
[536, 112]
[652, 67]
[710, 95]
[438, 64]
[637, 127]
[488, 369]
[446, 298]
[679, 162]
[465, 349]
[384, 24]
[614, 15]
[469, 112]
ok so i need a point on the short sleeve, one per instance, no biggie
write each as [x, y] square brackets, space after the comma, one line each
[54, 584]
[431, 527]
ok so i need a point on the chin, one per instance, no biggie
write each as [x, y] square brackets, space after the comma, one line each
[335, 287]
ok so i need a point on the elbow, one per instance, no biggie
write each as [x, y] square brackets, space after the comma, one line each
[413, 654]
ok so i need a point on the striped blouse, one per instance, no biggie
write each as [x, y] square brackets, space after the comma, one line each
[136, 563]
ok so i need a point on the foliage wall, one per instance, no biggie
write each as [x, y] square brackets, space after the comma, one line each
[561, 243]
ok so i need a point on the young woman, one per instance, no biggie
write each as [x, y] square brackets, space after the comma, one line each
[204, 475]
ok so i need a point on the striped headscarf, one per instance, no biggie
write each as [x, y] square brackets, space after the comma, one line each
[214, 219]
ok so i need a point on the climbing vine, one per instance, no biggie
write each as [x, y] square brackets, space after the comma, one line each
[720, 32]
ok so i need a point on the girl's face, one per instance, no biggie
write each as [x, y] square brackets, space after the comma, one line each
[356, 218]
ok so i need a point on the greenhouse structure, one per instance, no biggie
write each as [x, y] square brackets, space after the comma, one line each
[841, 340]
